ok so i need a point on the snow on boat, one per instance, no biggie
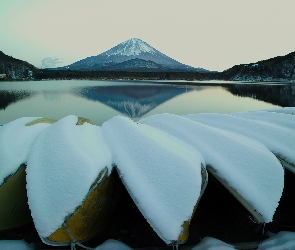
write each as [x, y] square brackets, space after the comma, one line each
[280, 119]
[275, 131]
[16, 138]
[69, 182]
[162, 174]
[284, 119]
[160, 160]
[285, 110]
[244, 166]
[91, 217]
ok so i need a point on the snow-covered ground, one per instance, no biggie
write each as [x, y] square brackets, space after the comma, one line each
[159, 161]
[281, 241]
[15, 245]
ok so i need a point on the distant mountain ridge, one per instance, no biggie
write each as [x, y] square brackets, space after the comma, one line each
[280, 68]
[114, 65]
[132, 55]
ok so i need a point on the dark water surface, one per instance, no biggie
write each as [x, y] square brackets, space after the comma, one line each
[101, 100]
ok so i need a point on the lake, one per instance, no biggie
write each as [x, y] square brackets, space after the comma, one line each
[101, 100]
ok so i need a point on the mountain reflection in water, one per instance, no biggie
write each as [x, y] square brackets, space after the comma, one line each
[101, 100]
[133, 101]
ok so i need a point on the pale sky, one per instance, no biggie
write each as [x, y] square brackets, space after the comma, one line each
[212, 34]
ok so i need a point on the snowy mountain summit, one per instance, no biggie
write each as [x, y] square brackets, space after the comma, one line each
[131, 47]
[132, 55]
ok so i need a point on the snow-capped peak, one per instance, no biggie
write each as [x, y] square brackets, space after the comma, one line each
[127, 51]
[131, 47]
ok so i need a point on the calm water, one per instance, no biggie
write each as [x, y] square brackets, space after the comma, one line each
[101, 100]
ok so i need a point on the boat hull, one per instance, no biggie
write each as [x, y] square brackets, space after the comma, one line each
[256, 215]
[14, 211]
[91, 217]
[182, 238]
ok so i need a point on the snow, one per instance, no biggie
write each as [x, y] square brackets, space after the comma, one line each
[131, 47]
[15, 245]
[210, 243]
[113, 245]
[161, 173]
[286, 110]
[281, 241]
[246, 165]
[280, 119]
[15, 143]
[159, 161]
[64, 161]
[278, 139]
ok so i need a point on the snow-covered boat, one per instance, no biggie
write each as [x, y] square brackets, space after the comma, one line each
[258, 218]
[14, 209]
[274, 128]
[225, 156]
[91, 217]
[164, 176]
[15, 139]
[79, 201]
[162, 161]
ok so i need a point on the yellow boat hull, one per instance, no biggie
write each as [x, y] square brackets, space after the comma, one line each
[14, 209]
[182, 238]
[91, 217]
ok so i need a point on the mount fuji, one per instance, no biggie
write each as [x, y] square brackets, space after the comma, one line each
[132, 55]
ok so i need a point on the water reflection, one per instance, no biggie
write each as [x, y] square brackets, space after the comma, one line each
[53, 95]
[281, 95]
[133, 101]
[101, 100]
[9, 97]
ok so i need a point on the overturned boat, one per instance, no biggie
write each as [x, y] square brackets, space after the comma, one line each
[14, 210]
[274, 128]
[234, 160]
[162, 161]
[183, 237]
[69, 169]
[15, 140]
[91, 217]
[164, 176]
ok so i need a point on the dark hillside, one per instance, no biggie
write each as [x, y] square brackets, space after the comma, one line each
[124, 75]
[280, 68]
[15, 69]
